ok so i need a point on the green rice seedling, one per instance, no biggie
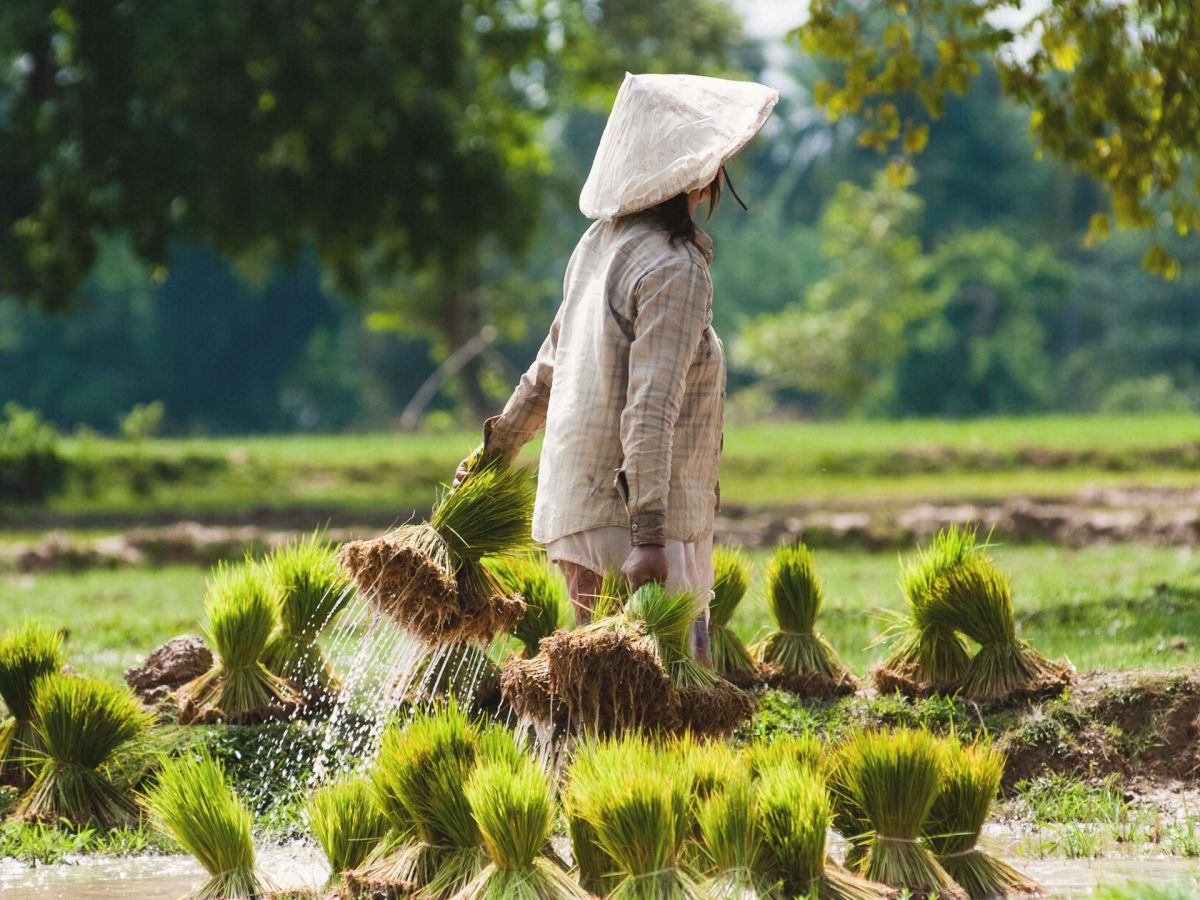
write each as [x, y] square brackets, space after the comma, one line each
[729, 655]
[310, 588]
[348, 823]
[666, 618]
[193, 803]
[806, 751]
[894, 778]
[848, 817]
[81, 724]
[547, 605]
[429, 578]
[640, 812]
[732, 842]
[927, 652]
[241, 615]
[794, 657]
[1004, 668]
[971, 779]
[26, 654]
[514, 812]
[422, 767]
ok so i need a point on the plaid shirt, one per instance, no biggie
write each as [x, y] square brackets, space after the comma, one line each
[630, 387]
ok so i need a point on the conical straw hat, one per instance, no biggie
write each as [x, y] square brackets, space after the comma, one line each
[668, 134]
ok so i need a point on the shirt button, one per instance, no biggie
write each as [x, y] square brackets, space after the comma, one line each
[633, 527]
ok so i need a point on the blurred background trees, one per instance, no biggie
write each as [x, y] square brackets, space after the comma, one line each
[276, 217]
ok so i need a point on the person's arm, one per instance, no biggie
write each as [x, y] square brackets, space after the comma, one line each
[524, 415]
[670, 318]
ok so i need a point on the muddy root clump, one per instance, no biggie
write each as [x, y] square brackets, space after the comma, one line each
[715, 711]
[808, 685]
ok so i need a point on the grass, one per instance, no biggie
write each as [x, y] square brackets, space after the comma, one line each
[771, 464]
[1113, 607]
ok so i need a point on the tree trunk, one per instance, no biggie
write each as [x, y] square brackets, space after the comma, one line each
[463, 321]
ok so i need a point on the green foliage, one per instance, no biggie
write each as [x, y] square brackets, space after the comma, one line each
[346, 821]
[667, 618]
[731, 836]
[849, 327]
[81, 724]
[192, 802]
[142, 422]
[31, 465]
[1105, 84]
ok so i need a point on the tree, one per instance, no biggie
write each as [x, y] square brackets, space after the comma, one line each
[840, 341]
[391, 137]
[1113, 88]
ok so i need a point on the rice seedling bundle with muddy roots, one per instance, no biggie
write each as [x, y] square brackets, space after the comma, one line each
[429, 578]
[26, 654]
[794, 657]
[729, 655]
[971, 779]
[514, 811]
[81, 726]
[639, 813]
[894, 778]
[928, 655]
[979, 599]
[241, 614]
[348, 823]
[422, 768]
[793, 816]
[193, 803]
[310, 589]
[708, 704]
[731, 838]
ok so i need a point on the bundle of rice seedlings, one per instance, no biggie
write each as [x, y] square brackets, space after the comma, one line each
[192, 802]
[238, 688]
[26, 654]
[547, 604]
[610, 676]
[732, 843]
[422, 767]
[928, 655]
[729, 655]
[81, 724]
[310, 589]
[708, 704]
[793, 816]
[794, 657]
[894, 779]
[1004, 668]
[805, 751]
[514, 812]
[348, 823]
[429, 578]
[971, 778]
[640, 814]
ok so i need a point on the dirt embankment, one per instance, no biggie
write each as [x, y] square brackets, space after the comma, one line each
[1141, 726]
[1154, 516]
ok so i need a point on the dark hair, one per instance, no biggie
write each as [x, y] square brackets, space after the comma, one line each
[674, 216]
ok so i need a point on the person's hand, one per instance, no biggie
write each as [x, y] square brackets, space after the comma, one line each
[644, 564]
[462, 472]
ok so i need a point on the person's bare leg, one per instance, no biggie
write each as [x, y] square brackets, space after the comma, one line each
[700, 645]
[583, 585]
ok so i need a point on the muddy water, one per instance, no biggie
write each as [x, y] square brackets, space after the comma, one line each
[170, 877]
[148, 877]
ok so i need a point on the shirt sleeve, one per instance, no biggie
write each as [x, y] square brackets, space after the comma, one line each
[524, 414]
[671, 314]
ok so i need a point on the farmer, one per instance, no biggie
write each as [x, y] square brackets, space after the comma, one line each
[630, 383]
